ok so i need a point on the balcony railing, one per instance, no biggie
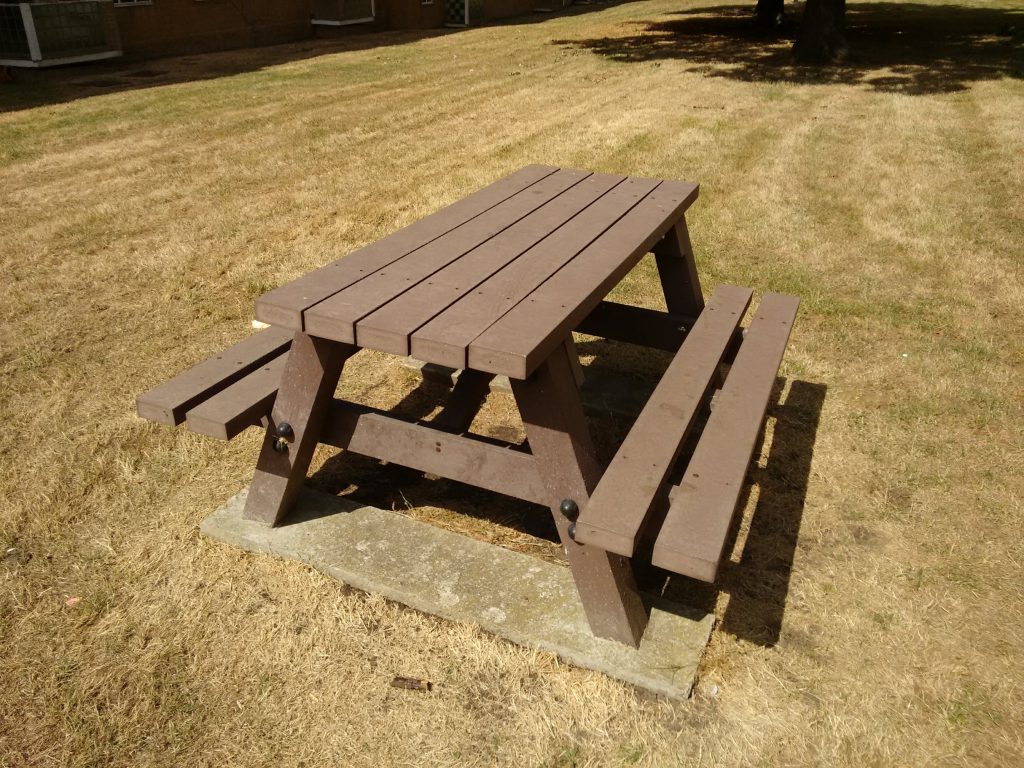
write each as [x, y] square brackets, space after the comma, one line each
[45, 34]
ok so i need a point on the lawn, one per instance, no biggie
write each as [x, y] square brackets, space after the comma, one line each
[873, 611]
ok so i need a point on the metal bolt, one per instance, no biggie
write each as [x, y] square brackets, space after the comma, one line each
[572, 530]
[569, 508]
[284, 435]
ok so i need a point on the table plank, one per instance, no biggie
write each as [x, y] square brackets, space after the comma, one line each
[517, 343]
[446, 338]
[284, 305]
[389, 327]
[335, 317]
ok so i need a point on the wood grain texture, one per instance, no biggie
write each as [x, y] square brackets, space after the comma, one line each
[240, 406]
[336, 316]
[445, 340]
[552, 414]
[637, 325]
[457, 457]
[677, 271]
[389, 327]
[307, 389]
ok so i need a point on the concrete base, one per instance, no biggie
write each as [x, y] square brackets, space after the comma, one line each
[528, 601]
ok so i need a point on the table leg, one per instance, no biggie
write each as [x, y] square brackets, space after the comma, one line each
[574, 360]
[678, 272]
[549, 403]
[307, 389]
[464, 402]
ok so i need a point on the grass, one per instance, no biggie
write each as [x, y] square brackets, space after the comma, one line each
[871, 614]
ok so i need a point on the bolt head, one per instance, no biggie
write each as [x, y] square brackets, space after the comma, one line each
[569, 508]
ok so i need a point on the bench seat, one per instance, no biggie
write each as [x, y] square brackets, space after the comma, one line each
[614, 516]
[171, 402]
[692, 537]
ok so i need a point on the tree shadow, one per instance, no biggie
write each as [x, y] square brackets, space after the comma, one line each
[907, 48]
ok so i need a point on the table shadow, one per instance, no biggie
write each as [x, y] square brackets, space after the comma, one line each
[898, 47]
[391, 486]
[757, 584]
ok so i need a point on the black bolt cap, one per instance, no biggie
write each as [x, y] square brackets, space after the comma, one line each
[569, 508]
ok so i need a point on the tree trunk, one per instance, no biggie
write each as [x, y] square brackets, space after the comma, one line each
[768, 14]
[822, 38]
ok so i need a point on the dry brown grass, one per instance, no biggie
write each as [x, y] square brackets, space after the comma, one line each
[137, 226]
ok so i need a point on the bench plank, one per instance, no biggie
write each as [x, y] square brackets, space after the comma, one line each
[172, 400]
[693, 535]
[445, 340]
[517, 343]
[284, 305]
[388, 328]
[240, 406]
[335, 317]
[616, 512]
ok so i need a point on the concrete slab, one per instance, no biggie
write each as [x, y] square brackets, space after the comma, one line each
[528, 601]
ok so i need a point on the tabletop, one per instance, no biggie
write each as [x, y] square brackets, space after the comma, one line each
[493, 282]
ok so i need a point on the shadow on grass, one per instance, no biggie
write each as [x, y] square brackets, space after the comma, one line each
[906, 48]
[34, 88]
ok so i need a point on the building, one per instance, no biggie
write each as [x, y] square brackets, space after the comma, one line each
[50, 32]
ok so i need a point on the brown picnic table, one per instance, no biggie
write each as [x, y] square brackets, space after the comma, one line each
[496, 284]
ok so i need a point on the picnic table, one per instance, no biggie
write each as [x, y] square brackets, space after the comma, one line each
[496, 284]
